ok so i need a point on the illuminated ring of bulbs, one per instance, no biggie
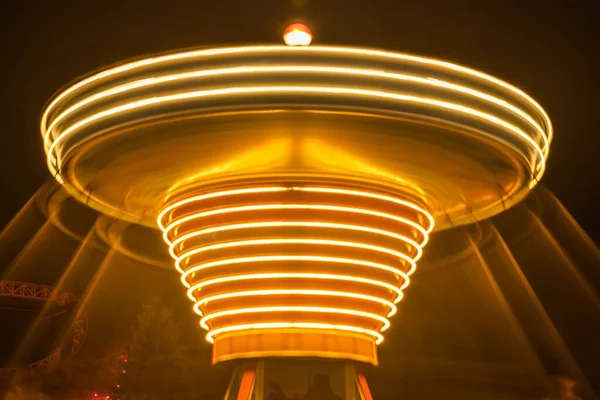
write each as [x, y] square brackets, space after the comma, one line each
[72, 111]
[361, 296]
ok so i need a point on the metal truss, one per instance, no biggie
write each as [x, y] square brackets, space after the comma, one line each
[32, 291]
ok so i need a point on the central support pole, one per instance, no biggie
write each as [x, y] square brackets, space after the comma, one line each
[297, 379]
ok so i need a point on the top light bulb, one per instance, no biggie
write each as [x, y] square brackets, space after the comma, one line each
[297, 35]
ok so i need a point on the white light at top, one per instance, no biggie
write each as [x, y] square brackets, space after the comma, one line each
[297, 35]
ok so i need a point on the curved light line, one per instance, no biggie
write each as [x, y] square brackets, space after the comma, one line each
[241, 260]
[290, 325]
[294, 89]
[182, 238]
[325, 242]
[371, 195]
[303, 292]
[271, 189]
[292, 206]
[286, 275]
[312, 49]
[330, 310]
[294, 68]
[211, 195]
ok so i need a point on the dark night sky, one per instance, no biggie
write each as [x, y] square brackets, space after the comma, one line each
[547, 48]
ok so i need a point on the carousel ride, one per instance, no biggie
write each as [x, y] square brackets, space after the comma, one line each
[295, 186]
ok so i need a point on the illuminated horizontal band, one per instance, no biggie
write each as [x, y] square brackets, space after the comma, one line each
[306, 309]
[358, 53]
[204, 53]
[286, 206]
[226, 245]
[290, 275]
[304, 292]
[274, 224]
[291, 325]
[361, 193]
[153, 101]
[293, 68]
[172, 206]
[250, 245]
[257, 259]
[252, 190]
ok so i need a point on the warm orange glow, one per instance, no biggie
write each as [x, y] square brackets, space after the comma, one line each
[48, 131]
[283, 326]
[330, 266]
[325, 207]
[297, 35]
[284, 275]
[200, 267]
[343, 91]
[384, 55]
[331, 310]
[54, 134]
[275, 292]
[276, 224]
[304, 247]
[364, 387]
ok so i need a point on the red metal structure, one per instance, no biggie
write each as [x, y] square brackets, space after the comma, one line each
[31, 291]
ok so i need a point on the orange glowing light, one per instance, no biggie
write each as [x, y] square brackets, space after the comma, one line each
[331, 266]
[293, 257]
[297, 35]
[306, 292]
[210, 337]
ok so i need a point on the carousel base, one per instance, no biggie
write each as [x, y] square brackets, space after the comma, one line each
[297, 379]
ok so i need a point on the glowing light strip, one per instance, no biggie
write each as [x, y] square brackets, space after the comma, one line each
[242, 260]
[169, 223]
[292, 206]
[286, 275]
[46, 132]
[290, 325]
[293, 89]
[267, 189]
[371, 195]
[304, 292]
[223, 228]
[212, 195]
[323, 242]
[313, 49]
[330, 310]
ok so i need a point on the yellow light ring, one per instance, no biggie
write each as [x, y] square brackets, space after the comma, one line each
[304, 292]
[153, 101]
[181, 220]
[243, 260]
[285, 309]
[368, 53]
[293, 325]
[290, 206]
[294, 68]
[292, 275]
[360, 193]
[226, 245]
[266, 189]
[174, 205]
[251, 225]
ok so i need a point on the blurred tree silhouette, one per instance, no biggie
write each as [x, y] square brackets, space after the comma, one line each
[85, 376]
[156, 366]
[159, 360]
[82, 376]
